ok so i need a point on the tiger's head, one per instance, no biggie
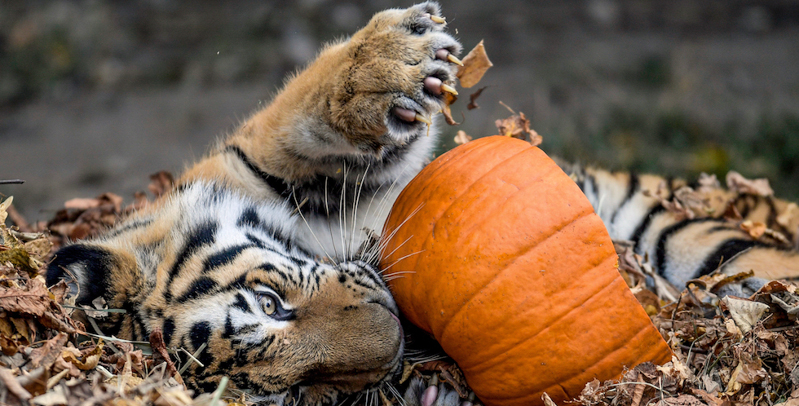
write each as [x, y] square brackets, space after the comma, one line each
[219, 274]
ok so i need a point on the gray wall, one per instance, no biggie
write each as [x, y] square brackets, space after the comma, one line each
[96, 95]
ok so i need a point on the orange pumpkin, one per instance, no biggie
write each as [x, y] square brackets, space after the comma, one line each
[498, 254]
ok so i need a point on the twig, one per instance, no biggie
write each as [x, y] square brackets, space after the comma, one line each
[640, 383]
[11, 182]
[193, 358]
[219, 390]
[94, 310]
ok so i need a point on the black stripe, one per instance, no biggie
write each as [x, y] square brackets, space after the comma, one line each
[660, 248]
[746, 205]
[137, 325]
[203, 235]
[201, 333]
[277, 184]
[267, 267]
[632, 187]
[224, 257]
[255, 240]
[265, 345]
[198, 288]
[249, 217]
[129, 227]
[772, 217]
[644, 225]
[168, 330]
[241, 303]
[592, 180]
[724, 252]
[647, 220]
[229, 329]
[98, 263]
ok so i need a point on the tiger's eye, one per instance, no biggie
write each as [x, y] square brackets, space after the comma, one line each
[269, 305]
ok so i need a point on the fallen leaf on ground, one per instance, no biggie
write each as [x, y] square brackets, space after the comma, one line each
[739, 184]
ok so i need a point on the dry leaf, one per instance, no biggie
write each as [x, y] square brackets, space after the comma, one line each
[4, 208]
[751, 369]
[475, 65]
[518, 126]
[649, 301]
[462, 138]
[738, 184]
[755, 229]
[159, 348]
[745, 313]
[547, 400]
[682, 400]
[160, 183]
[84, 360]
[11, 384]
[707, 183]
[81, 203]
[473, 98]
[47, 354]
[449, 98]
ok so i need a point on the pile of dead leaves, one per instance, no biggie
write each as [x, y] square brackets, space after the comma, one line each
[88, 217]
[727, 351]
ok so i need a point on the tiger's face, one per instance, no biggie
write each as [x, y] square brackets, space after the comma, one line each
[317, 329]
[225, 277]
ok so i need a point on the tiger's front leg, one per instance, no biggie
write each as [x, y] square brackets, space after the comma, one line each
[345, 135]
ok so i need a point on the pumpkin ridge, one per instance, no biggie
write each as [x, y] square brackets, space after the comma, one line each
[434, 220]
[606, 356]
[530, 182]
[518, 256]
[474, 183]
[484, 363]
[575, 380]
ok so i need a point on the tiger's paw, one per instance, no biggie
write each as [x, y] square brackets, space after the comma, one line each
[398, 69]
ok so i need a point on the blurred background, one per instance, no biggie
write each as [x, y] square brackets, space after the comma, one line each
[96, 95]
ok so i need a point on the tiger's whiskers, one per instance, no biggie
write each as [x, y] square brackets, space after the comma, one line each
[359, 188]
[327, 211]
[322, 247]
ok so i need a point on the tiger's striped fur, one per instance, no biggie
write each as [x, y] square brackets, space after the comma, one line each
[697, 240]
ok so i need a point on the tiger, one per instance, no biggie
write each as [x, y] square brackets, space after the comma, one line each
[260, 259]
[688, 230]
[257, 259]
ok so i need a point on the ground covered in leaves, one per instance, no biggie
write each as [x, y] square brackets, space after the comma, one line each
[728, 351]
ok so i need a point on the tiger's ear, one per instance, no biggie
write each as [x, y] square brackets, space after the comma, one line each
[85, 268]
